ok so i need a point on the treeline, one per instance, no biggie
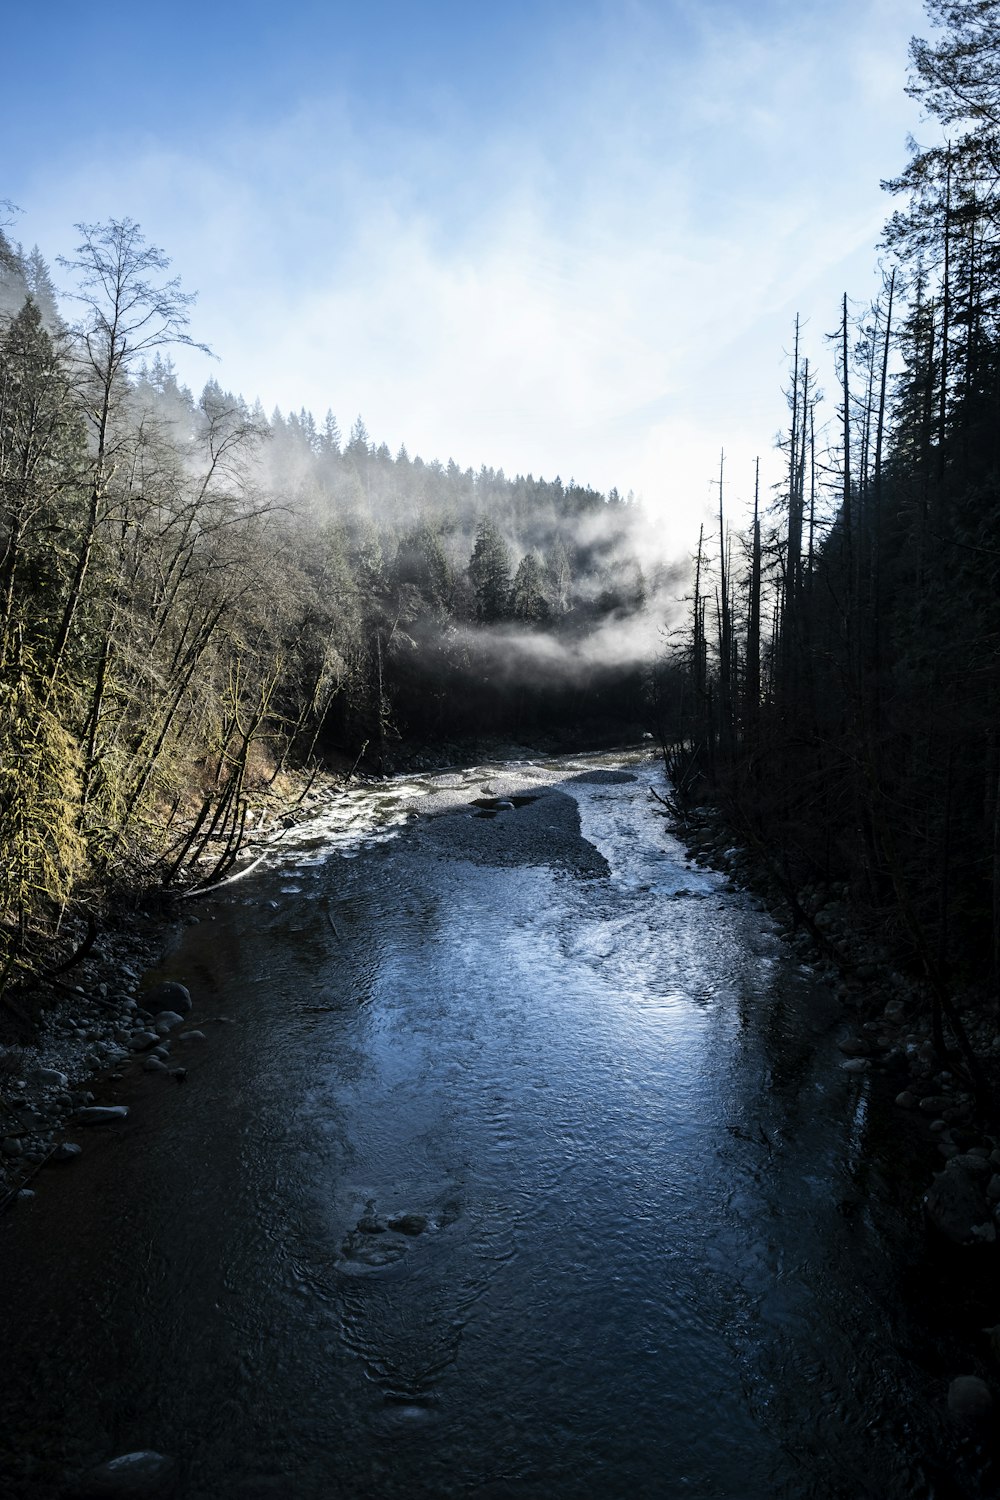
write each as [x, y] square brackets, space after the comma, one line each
[194, 596]
[842, 660]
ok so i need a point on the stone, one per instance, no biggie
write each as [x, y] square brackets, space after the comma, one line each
[169, 996]
[971, 1161]
[191, 1036]
[51, 1076]
[153, 1064]
[166, 1020]
[855, 1065]
[412, 1224]
[133, 1475]
[956, 1206]
[141, 1041]
[906, 1100]
[934, 1104]
[993, 1189]
[970, 1401]
[67, 1151]
[11, 1146]
[101, 1114]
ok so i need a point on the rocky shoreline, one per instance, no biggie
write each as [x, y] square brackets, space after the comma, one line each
[65, 1042]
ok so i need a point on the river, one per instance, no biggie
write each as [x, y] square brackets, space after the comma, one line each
[518, 1161]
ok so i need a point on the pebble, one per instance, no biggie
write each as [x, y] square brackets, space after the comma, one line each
[153, 1064]
[191, 1036]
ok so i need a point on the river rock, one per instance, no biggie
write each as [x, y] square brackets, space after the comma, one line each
[169, 996]
[11, 1146]
[191, 1036]
[153, 1064]
[935, 1104]
[132, 1475]
[141, 1041]
[956, 1206]
[166, 1020]
[411, 1224]
[101, 1114]
[67, 1151]
[855, 1046]
[970, 1401]
[49, 1076]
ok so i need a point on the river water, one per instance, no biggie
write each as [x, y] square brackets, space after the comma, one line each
[518, 1161]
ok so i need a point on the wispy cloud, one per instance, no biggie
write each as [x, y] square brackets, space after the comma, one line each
[600, 286]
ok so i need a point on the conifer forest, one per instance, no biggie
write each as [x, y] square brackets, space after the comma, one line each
[196, 595]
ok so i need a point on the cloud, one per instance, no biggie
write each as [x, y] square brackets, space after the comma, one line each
[600, 285]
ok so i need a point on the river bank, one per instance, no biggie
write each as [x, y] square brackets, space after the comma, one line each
[66, 1035]
[946, 1136]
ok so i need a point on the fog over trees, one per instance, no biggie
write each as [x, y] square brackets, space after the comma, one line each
[195, 595]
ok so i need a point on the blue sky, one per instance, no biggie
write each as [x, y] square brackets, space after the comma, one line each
[564, 236]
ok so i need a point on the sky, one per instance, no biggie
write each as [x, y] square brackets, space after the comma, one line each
[552, 236]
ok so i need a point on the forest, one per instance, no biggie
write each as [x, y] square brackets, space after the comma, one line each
[195, 596]
[842, 652]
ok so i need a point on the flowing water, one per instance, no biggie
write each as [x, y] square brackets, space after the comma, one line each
[516, 1169]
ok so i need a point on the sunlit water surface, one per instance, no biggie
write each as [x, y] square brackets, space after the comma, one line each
[500, 1182]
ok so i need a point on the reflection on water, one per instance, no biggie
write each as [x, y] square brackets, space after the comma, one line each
[504, 1183]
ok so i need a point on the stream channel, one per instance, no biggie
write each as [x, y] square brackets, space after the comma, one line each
[522, 1164]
